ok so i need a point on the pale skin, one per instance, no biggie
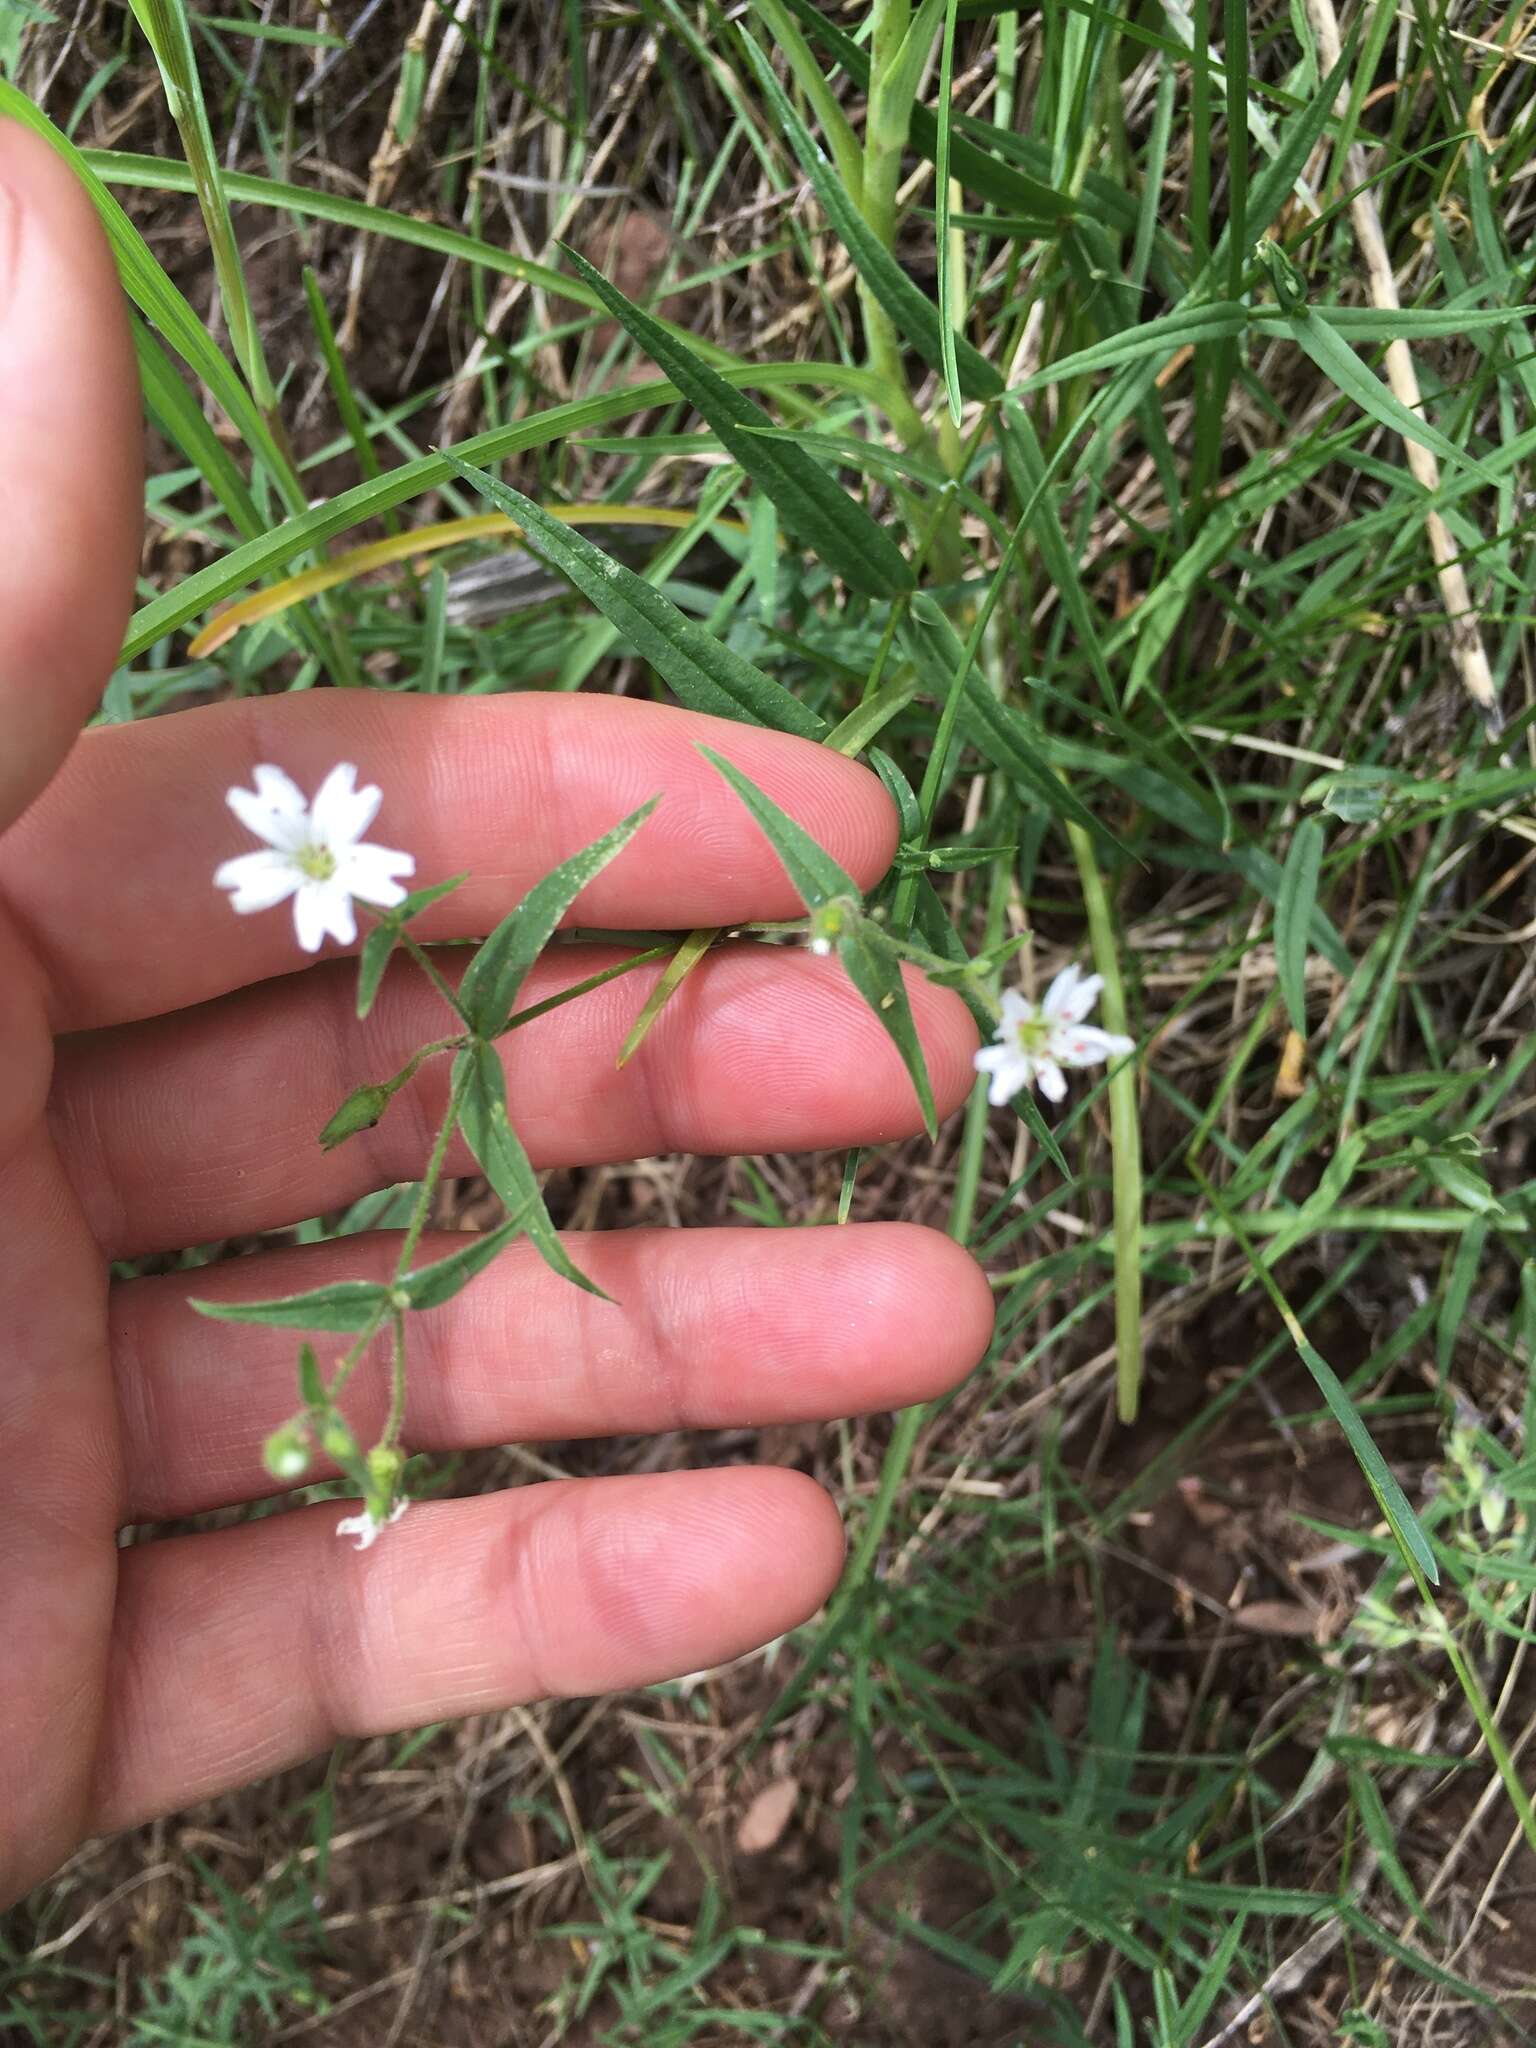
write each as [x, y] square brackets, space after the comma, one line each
[164, 1067]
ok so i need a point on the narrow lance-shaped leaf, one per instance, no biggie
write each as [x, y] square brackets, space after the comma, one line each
[381, 941]
[430, 1286]
[348, 1305]
[821, 882]
[693, 949]
[704, 673]
[817, 877]
[876, 974]
[942, 232]
[999, 733]
[1338, 362]
[916, 316]
[482, 1091]
[495, 976]
[1293, 918]
[1391, 1499]
[814, 507]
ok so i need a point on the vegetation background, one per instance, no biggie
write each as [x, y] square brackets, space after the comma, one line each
[1118, 1731]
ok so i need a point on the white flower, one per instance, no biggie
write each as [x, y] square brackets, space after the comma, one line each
[365, 1528]
[1036, 1040]
[314, 853]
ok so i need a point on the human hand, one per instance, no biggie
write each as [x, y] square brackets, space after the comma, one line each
[164, 1069]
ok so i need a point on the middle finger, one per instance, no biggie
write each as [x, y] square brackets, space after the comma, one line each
[203, 1125]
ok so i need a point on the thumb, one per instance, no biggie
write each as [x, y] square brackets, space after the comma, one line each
[71, 464]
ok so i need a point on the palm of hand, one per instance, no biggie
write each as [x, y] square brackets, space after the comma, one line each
[163, 1071]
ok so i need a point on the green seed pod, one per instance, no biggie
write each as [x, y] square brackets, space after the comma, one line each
[286, 1453]
[385, 1464]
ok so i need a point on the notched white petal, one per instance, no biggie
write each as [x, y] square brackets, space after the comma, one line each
[342, 813]
[1052, 1081]
[257, 881]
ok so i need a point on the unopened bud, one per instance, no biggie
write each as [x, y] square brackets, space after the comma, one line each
[830, 921]
[360, 1112]
[1493, 1507]
[337, 1441]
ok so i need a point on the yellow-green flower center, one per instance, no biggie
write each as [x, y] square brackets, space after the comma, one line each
[1032, 1036]
[317, 863]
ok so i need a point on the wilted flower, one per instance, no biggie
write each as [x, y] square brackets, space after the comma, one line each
[367, 1527]
[1035, 1041]
[314, 853]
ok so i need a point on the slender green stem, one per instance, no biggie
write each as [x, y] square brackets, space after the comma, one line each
[430, 969]
[1174, 1236]
[1124, 1130]
[430, 1179]
[354, 1354]
[585, 988]
[395, 1419]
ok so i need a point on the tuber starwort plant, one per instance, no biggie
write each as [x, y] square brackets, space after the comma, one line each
[316, 858]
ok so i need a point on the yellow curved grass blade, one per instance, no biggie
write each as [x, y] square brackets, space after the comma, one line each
[401, 547]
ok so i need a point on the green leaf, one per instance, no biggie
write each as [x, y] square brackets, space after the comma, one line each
[384, 937]
[347, 1305]
[916, 317]
[675, 973]
[311, 1383]
[1293, 918]
[876, 973]
[820, 881]
[945, 282]
[975, 166]
[482, 1090]
[704, 673]
[817, 877]
[1391, 1499]
[276, 548]
[496, 974]
[999, 732]
[1338, 362]
[814, 508]
[868, 720]
[1463, 1183]
[430, 1286]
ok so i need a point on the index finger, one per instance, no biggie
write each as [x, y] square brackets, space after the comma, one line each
[112, 869]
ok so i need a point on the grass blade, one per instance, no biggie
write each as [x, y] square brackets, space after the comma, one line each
[916, 317]
[1293, 918]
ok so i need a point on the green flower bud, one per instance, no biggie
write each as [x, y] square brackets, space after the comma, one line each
[385, 1463]
[287, 1451]
[1493, 1507]
[831, 920]
[1290, 286]
[337, 1441]
[360, 1112]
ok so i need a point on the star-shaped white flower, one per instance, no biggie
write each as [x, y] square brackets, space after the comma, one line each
[1035, 1041]
[366, 1528]
[313, 853]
